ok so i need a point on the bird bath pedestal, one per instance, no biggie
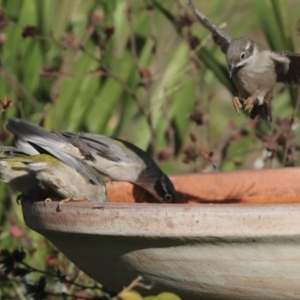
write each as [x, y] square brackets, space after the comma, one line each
[233, 235]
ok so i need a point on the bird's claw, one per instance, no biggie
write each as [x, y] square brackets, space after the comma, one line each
[237, 104]
[61, 202]
[70, 198]
[249, 103]
[47, 200]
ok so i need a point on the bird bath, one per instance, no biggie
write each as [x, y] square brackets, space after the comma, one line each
[232, 235]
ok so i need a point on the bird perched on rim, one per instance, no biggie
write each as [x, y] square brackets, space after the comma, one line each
[18, 176]
[50, 173]
[123, 161]
[254, 71]
[116, 159]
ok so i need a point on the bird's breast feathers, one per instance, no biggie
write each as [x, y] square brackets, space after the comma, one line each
[257, 77]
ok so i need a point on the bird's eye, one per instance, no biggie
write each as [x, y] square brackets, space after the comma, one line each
[243, 55]
[92, 182]
[168, 198]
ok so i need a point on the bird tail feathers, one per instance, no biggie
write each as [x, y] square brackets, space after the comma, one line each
[262, 112]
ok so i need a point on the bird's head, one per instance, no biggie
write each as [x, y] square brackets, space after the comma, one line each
[164, 189]
[238, 53]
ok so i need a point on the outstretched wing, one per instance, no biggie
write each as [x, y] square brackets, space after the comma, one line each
[287, 67]
[220, 37]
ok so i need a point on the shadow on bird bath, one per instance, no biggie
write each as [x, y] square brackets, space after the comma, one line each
[239, 240]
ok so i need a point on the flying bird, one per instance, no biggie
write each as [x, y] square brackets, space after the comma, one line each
[254, 70]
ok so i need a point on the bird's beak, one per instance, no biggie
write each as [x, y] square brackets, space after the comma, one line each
[232, 68]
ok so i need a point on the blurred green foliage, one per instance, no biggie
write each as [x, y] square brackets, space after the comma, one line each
[141, 71]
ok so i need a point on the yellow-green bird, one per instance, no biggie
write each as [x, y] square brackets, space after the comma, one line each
[16, 174]
[45, 176]
[115, 158]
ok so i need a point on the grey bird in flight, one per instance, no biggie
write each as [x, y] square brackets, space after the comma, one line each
[254, 71]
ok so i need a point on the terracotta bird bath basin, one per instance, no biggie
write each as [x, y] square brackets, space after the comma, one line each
[233, 235]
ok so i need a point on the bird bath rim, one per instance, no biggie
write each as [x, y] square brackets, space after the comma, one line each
[246, 245]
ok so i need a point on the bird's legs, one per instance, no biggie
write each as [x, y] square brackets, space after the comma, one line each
[249, 103]
[237, 104]
[61, 202]
[69, 198]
